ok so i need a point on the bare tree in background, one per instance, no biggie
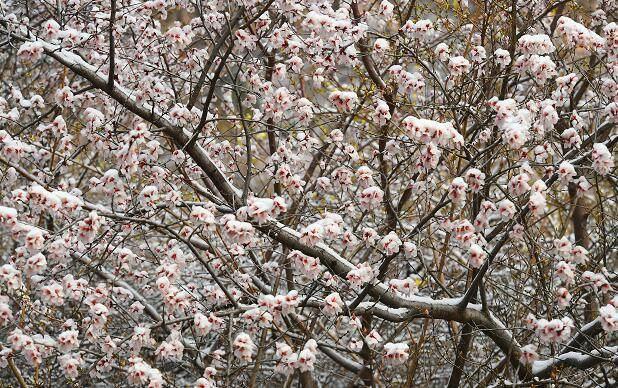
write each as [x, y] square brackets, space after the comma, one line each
[308, 193]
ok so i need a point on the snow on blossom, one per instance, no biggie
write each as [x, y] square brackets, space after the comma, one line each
[396, 353]
[602, 159]
[362, 274]
[609, 318]
[371, 197]
[458, 66]
[457, 190]
[477, 256]
[575, 34]
[529, 354]
[332, 304]
[243, 347]
[391, 243]
[344, 100]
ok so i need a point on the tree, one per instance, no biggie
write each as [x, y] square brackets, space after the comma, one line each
[218, 193]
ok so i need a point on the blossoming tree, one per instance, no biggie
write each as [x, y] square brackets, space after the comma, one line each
[323, 193]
